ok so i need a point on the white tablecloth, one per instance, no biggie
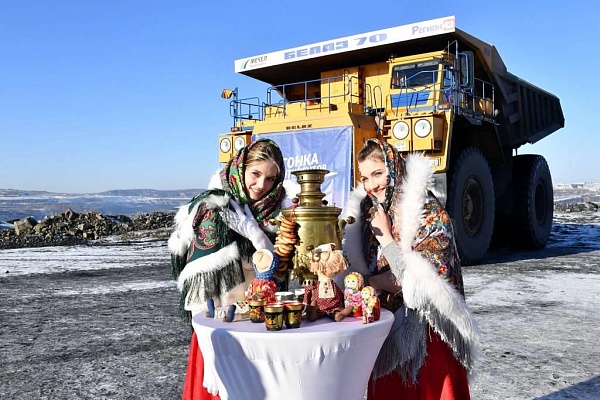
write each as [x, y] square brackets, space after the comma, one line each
[320, 360]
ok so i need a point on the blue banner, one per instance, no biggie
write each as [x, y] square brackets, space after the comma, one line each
[322, 148]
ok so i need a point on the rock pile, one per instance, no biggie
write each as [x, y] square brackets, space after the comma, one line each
[576, 207]
[71, 228]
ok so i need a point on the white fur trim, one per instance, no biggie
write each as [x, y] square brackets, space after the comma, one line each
[423, 289]
[291, 190]
[419, 175]
[211, 262]
[422, 286]
[182, 236]
[215, 181]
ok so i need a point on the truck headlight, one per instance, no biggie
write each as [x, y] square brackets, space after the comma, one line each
[422, 128]
[238, 143]
[225, 145]
[400, 130]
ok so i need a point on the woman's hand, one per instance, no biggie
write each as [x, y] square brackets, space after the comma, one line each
[242, 221]
[385, 281]
[381, 226]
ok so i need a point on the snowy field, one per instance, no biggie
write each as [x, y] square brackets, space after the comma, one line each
[538, 315]
[100, 322]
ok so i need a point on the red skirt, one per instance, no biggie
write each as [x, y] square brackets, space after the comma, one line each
[441, 377]
[194, 375]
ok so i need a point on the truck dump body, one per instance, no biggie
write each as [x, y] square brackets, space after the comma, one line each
[529, 113]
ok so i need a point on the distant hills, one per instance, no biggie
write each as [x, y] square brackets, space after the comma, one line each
[183, 193]
[16, 204]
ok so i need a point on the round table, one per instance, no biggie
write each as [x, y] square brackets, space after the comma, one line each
[320, 360]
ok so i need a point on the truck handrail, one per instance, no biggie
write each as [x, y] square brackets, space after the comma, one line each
[379, 109]
[475, 102]
[305, 99]
[254, 110]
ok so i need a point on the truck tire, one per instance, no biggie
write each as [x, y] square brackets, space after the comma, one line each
[533, 202]
[471, 204]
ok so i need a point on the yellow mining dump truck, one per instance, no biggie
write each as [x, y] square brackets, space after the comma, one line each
[426, 87]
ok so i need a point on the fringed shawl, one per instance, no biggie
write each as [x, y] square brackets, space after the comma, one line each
[206, 256]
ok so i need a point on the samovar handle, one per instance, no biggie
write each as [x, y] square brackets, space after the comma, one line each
[342, 222]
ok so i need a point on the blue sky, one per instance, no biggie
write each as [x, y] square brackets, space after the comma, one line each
[123, 94]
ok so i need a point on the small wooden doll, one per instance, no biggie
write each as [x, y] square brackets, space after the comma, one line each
[325, 297]
[371, 310]
[265, 264]
[353, 284]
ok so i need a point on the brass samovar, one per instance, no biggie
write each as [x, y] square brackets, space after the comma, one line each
[318, 222]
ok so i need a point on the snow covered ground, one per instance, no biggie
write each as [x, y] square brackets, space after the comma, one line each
[101, 321]
[538, 315]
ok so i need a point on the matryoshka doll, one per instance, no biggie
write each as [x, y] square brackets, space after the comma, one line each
[353, 284]
[371, 310]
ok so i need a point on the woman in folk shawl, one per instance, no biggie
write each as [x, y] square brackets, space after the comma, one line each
[404, 246]
[216, 234]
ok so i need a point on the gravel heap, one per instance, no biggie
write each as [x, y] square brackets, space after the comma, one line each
[71, 228]
[576, 207]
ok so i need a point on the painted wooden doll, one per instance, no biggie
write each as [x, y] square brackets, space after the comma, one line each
[371, 310]
[353, 284]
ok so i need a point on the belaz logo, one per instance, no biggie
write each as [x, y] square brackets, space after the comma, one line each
[254, 61]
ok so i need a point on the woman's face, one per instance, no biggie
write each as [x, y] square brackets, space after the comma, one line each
[374, 177]
[259, 179]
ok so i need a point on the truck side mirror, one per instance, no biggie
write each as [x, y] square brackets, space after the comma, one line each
[466, 66]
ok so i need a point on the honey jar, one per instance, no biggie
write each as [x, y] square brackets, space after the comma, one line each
[274, 316]
[292, 314]
[257, 310]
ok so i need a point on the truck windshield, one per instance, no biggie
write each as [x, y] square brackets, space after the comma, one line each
[414, 75]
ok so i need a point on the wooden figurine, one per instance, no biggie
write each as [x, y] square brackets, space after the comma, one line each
[371, 310]
[325, 297]
[353, 284]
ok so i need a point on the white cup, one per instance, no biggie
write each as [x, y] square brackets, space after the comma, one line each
[284, 296]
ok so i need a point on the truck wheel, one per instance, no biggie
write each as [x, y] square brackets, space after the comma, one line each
[533, 202]
[471, 204]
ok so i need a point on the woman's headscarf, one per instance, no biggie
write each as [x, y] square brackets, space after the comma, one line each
[395, 168]
[232, 178]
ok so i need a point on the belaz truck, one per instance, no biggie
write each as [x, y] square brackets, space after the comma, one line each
[424, 87]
